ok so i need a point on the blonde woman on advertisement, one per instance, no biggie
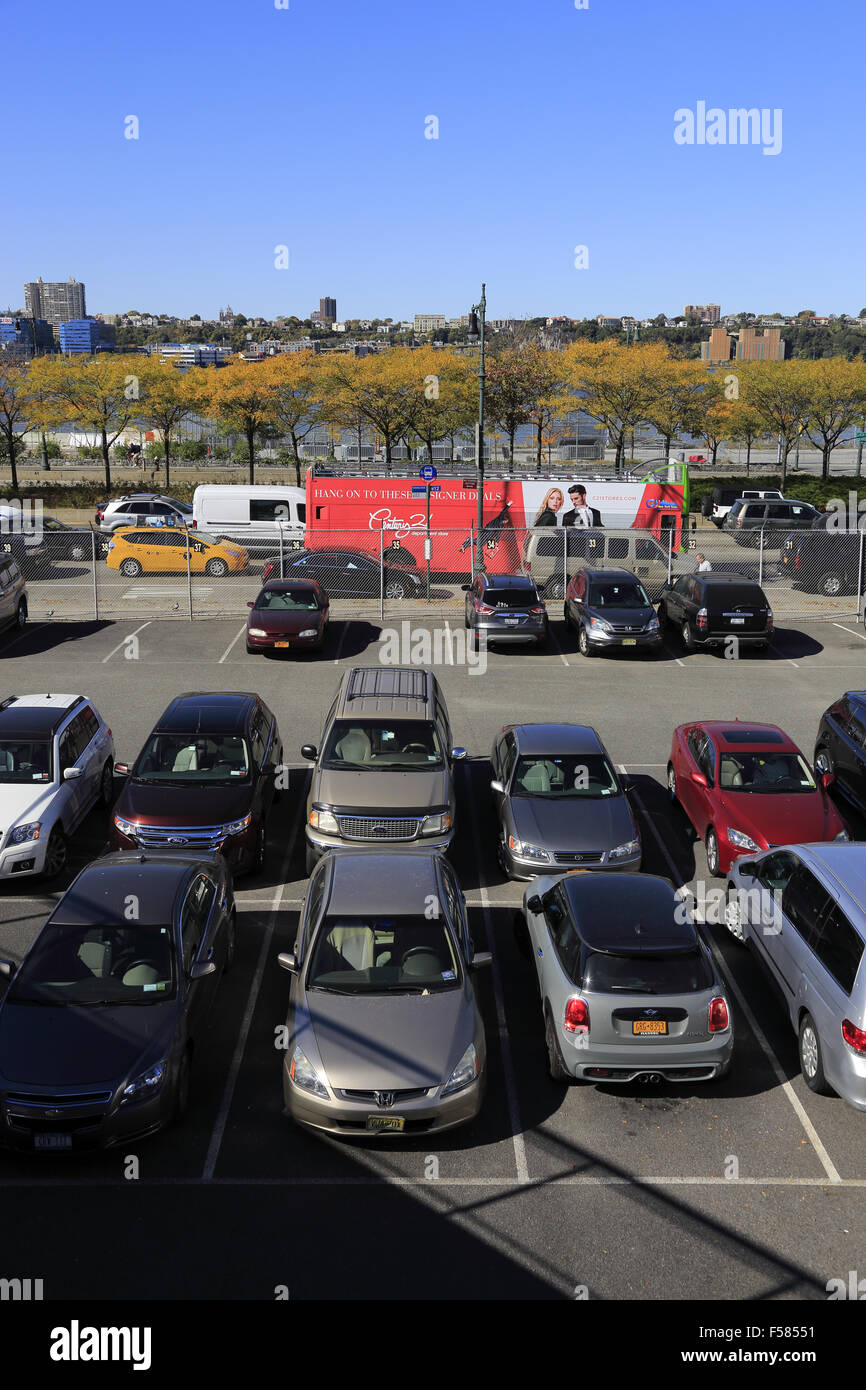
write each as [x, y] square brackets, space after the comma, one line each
[550, 506]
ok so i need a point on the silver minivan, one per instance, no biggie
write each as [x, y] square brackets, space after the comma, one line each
[802, 909]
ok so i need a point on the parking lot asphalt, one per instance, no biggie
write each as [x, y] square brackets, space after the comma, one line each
[749, 1188]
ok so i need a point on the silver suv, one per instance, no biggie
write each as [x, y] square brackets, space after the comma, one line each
[383, 773]
[143, 509]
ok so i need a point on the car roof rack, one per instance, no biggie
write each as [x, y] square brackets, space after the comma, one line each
[398, 682]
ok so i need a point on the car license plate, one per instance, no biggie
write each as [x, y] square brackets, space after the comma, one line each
[629, 641]
[649, 1025]
[393, 1124]
[281, 644]
[511, 622]
[52, 1141]
[737, 620]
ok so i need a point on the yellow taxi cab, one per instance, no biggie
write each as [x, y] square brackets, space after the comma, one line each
[138, 550]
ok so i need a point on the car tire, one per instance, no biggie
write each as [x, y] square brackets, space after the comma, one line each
[21, 615]
[251, 651]
[55, 853]
[733, 916]
[216, 568]
[811, 1063]
[182, 1087]
[824, 761]
[555, 589]
[584, 645]
[106, 785]
[831, 584]
[311, 859]
[688, 637]
[130, 568]
[231, 946]
[395, 588]
[672, 784]
[556, 1068]
[753, 540]
[711, 844]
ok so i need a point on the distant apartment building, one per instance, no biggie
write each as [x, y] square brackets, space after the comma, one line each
[79, 336]
[749, 345]
[55, 301]
[427, 323]
[606, 321]
[327, 310]
[719, 346]
[707, 313]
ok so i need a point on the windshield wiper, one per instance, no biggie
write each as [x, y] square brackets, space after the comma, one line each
[332, 989]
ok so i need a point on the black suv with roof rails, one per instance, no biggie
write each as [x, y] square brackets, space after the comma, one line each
[204, 780]
[709, 609]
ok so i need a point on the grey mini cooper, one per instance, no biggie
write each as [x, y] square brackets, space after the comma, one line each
[560, 802]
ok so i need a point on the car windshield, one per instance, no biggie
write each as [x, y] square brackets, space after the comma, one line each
[372, 743]
[219, 759]
[627, 594]
[683, 973]
[28, 760]
[383, 955]
[89, 965]
[203, 536]
[287, 600]
[765, 772]
[575, 775]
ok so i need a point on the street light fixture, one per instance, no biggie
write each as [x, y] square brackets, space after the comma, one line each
[475, 334]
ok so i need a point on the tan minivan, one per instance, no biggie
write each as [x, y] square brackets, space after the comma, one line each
[544, 550]
[383, 771]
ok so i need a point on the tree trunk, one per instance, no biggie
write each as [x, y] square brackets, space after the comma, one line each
[107, 461]
[511, 434]
[11, 442]
[251, 449]
[538, 445]
[297, 458]
[784, 477]
[715, 450]
[387, 437]
[748, 456]
[826, 450]
[166, 449]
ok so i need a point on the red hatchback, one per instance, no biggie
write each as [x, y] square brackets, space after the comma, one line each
[288, 614]
[747, 787]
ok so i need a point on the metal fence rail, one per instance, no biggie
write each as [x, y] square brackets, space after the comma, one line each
[806, 575]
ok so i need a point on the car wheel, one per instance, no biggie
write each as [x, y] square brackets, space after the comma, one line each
[130, 568]
[251, 651]
[55, 853]
[754, 540]
[555, 589]
[106, 786]
[231, 945]
[712, 848]
[216, 568]
[182, 1088]
[734, 916]
[395, 588]
[555, 1065]
[688, 637]
[811, 1063]
[824, 761]
[583, 643]
[672, 783]
[21, 614]
[832, 584]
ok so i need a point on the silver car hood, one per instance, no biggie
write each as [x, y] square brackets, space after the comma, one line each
[381, 790]
[599, 823]
[390, 1042]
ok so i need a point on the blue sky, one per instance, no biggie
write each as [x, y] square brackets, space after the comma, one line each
[305, 127]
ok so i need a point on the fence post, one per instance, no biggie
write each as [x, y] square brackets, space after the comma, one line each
[95, 589]
[282, 572]
[564, 560]
[860, 575]
[188, 577]
[670, 553]
[761, 557]
[382, 574]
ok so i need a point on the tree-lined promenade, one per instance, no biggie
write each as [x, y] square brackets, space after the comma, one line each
[426, 396]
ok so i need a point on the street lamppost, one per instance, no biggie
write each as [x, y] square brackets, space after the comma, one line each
[475, 334]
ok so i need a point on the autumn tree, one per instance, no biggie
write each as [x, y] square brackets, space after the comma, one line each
[779, 394]
[517, 378]
[381, 387]
[241, 398]
[446, 395]
[98, 394]
[299, 392]
[167, 397]
[678, 398]
[613, 384]
[836, 401]
[15, 411]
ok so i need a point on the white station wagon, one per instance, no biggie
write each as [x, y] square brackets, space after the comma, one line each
[56, 762]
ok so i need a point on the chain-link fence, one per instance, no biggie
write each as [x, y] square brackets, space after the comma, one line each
[72, 574]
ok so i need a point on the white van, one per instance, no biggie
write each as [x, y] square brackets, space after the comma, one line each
[255, 516]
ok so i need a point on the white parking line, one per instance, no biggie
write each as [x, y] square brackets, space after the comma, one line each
[449, 661]
[231, 644]
[563, 658]
[346, 626]
[796, 1105]
[861, 635]
[504, 1040]
[234, 1069]
[115, 650]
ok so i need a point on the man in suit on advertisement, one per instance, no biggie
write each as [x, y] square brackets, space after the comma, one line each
[580, 514]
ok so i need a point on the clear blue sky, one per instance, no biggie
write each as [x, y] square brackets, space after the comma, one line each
[305, 127]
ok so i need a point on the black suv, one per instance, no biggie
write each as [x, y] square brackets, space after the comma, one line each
[840, 747]
[506, 608]
[825, 559]
[710, 608]
[204, 780]
[749, 520]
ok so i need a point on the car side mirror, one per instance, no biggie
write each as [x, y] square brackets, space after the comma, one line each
[827, 780]
[699, 779]
[8, 968]
[458, 753]
[309, 751]
[122, 769]
[71, 774]
[535, 905]
[202, 968]
[497, 787]
[481, 958]
[251, 604]
[289, 961]
[747, 870]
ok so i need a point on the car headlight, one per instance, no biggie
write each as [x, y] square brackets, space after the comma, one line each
[600, 624]
[325, 821]
[436, 825]
[623, 851]
[144, 1086]
[736, 837]
[25, 832]
[235, 827]
[843, 835]
[126, 827]
[257, 632]
[652, 625]
[309, 632]
[464, 1073]
[524, 851]
[305, 1076]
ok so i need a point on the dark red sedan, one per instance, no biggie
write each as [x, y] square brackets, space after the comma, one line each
[288, 615]
[747, 787]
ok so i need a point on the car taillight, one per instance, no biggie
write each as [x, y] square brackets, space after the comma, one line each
[576, 1016]
[539, 608]
[485, 608]
[739, 521]
[718, 1015]
[193, 525]
[797, 561]
[702, 617]
[769, 617]
[854, 1036]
